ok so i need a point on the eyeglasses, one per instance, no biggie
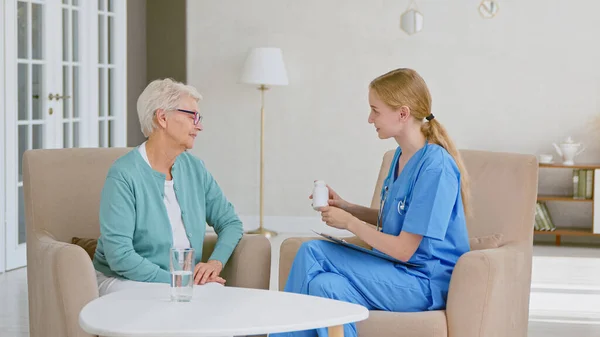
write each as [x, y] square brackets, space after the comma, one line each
[197, 116]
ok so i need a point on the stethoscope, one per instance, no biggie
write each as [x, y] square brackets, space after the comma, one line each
[401, 207]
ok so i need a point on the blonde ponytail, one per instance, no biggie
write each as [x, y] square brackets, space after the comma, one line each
[435, 132]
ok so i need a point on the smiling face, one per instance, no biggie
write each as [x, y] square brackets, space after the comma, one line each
[389, 122]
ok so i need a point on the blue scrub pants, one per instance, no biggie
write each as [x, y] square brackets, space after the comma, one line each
[323, 268]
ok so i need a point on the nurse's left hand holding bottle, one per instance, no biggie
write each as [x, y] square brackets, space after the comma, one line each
[334, 215]
[335, 200]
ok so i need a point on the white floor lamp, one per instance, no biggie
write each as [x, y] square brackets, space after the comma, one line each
[263, 67]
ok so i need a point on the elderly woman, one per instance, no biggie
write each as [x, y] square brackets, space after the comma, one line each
[159, 196]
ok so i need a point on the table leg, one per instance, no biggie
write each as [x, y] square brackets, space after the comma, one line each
[336, 331]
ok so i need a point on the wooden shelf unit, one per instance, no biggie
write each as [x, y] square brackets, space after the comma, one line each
[578, 166]
[570, 231]
[562, 198]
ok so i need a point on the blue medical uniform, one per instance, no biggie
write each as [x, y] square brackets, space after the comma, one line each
[425, 200]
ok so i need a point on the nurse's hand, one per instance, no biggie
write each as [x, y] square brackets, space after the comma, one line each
[335, 200]
[335, 217]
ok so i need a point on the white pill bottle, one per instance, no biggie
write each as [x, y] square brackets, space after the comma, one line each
[320, 194]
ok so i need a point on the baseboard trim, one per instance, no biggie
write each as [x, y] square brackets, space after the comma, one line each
[563, 320]
[565, 288]
[559, 316]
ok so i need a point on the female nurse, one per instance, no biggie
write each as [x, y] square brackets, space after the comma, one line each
[421, 218]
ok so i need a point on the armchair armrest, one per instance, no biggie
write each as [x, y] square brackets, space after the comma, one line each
[287, 253]
[250, 263]
[489, 292]
[61, 281]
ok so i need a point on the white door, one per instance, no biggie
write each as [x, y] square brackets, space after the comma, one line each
[65, 78]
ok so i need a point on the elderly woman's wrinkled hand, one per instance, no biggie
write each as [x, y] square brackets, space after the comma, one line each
[208, 272]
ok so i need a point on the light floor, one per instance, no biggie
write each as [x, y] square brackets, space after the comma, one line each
[560, 276]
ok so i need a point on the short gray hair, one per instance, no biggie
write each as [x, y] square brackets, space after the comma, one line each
[161, 94]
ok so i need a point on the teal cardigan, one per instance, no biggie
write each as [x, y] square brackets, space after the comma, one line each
[135, 231]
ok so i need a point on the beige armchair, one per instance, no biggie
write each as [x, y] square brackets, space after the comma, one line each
[62, 194]
[490, 286]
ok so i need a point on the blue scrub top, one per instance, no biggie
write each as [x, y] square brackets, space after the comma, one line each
[429, 188]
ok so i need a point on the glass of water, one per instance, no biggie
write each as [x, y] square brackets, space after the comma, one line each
[182, 278]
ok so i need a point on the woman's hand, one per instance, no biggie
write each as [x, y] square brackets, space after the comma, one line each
[336, 217]
[208, 272]
[335, 200]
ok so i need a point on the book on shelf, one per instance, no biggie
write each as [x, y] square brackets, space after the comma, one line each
[583, 180]
[543, 220]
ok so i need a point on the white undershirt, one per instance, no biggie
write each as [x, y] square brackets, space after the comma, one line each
[180, 239]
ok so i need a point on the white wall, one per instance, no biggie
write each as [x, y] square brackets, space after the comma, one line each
[517, 83]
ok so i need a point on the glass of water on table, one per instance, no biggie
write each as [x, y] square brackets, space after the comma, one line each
[182, 278]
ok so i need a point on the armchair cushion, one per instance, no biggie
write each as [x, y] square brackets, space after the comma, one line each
[89, 245]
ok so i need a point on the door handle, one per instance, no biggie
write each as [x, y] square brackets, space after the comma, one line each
[57, 97]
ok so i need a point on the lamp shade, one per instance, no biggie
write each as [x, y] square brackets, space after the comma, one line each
[264, 66]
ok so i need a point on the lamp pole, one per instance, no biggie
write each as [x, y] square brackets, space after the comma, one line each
[261, 229]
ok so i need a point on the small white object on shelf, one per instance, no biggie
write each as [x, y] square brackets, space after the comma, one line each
[545, 158]
[568, 150]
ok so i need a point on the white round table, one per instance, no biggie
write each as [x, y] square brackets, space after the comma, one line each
[214, 311]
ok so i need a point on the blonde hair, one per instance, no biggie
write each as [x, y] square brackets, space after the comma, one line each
[405, 87]
[163, 94]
